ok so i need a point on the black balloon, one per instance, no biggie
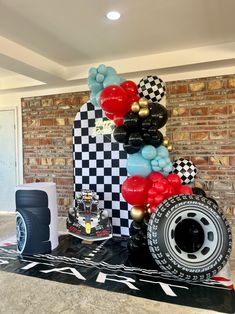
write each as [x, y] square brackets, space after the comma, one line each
[146, 137]
[159, 115]
[147, 122]
[199, 191]
[135, 139]
[135, 227]
[213, 200]
[131, 120]
[156, 139]
[153, 130]
[131, 149]
[120, 134]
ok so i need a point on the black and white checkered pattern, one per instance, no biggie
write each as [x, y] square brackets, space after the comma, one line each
[185, 169]
[151, 88]
[100, 164]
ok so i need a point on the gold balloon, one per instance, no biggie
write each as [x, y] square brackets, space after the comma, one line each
[135, 107]
[137, 213]
[149, 211]
[170, 147]
[166, 142]
[143, 102]
[144, 112]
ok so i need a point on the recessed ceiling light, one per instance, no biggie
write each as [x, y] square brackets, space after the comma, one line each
[113, 15]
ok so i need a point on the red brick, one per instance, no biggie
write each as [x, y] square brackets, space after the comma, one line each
[199, 111]
[199, 136]
[178, 89]
[47, 122]
[218, 110]
[232, 160]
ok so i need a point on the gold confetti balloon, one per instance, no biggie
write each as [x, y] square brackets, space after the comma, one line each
[143, 102]
[170, 147]
[137, 213]
[135, 107]
[144, 112]
[165, 141]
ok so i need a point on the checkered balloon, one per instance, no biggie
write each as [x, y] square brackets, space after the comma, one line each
[185, 169]
[151, 88]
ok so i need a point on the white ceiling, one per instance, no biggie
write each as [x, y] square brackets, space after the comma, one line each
[53, 43]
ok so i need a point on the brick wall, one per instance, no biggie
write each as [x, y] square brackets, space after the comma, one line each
[47, 141]
[202, 128]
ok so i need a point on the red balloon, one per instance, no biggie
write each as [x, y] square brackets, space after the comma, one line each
[114, 99]
[152, 208]
[155, 176]
[158, 199]
[174, 179]
[152, 192]
[171, 191]
[185, 189]
[150, 201]
[133, 98]
[135, 190]
[109, 115]
[118, 120]
[161, 186]
[130, 87]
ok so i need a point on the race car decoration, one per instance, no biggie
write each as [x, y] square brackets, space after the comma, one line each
[86, 220]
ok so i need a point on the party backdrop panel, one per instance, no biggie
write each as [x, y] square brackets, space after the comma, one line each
[100, 164]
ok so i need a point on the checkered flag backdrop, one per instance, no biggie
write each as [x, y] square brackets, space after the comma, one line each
[185, 169]
[100, 164]
[151, 88]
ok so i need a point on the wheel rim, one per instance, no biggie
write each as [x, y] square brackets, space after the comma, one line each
[207, 244]
[21, 232]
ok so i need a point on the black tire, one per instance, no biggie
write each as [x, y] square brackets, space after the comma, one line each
[189, 237]
[31, 236]
[40, 232]
[199, 191]
[31, 198]
[41, 214]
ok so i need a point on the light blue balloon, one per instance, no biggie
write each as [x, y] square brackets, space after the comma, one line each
[168, 168]
[138, 166]
[122, 79]
[149, 152]
[156, 168]
[162, 151]
[91, 80]
[111, 71]
[111, 80]
[162, 163]
[98, 98]
[99, 77]
[102, 69]
[93, 101]
[92, 72]
[96, 87]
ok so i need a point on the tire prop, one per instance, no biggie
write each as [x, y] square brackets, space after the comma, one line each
[189, 237]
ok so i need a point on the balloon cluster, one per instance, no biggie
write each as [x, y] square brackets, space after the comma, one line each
[141, 128]
[138, 116]
[149, 159]
[147, 193]
[99, 78]
[138, 235]
[163, 188]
